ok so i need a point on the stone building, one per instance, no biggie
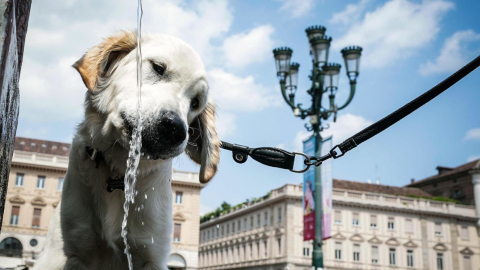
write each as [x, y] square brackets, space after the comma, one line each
[455, 183]
[373, 227]
[34, 191]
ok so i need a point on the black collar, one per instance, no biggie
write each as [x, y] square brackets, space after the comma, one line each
[116, 182]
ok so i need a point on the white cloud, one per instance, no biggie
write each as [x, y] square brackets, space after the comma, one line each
[250, 47]
[350, 14]
[395, 30]
[346, 126]
[452, 56]
[473, 134]
[472, 158]
[297, 7]
[226, 124]
[234, 93]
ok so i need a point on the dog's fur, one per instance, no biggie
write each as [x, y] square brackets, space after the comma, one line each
[85, 232]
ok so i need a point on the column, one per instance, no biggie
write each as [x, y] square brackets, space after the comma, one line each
[476, 189]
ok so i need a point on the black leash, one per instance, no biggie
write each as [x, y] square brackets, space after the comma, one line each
[280, 158]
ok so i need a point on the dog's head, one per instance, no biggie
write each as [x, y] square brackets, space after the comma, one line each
[178, 114]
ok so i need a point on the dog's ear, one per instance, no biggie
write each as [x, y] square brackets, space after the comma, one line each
[101, 60]
[204, 146]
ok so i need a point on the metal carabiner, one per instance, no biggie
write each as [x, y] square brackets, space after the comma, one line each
[307, 160]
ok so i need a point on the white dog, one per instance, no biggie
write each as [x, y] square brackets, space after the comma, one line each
[85, 232]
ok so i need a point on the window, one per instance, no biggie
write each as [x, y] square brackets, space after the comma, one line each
[177, 228]
[258, 250]
[60, 184]
[222, 230]
[467, 263]
[265, 248]
[251, 222]
[265, 221]
[258, 220]
[244, 252]
[239, 226]
[37, 212]
[41, 182]
[279, 214]
[19, 180]
[391, 224]
[410, 258]
[218, 231]
[271, 217]
[178, 197]
[392, 257]
[440, 261]
[14, 216]
[306, 251]
[251, 251]
[438, 229]
[279, 242]
[338, 251]
[464, 232]
[338, 217]
[233, 227]
[373, 222]
[408, 226]
[245, 224]
[208, 235]
[355, 220]
[374, 254]
[356, 252]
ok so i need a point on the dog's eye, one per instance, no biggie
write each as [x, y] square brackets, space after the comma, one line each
[194, 103]
[159, 68]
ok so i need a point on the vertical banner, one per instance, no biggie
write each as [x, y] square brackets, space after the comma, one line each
[327, 183]
[308, 193]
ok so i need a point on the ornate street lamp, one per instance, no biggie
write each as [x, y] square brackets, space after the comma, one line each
[324, 77]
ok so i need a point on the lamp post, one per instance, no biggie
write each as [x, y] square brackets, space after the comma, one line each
[324, 77]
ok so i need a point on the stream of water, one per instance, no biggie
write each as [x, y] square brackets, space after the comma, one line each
[135, 143]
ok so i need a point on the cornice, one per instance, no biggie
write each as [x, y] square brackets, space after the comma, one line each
[38, 167]
[404, 211]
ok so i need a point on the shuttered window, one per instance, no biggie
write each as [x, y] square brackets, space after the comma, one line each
[338, 217]
[14, 216]
[355, 219]
[467, 263]
[438, 228]
[464, 232]
[373, 221]
[356, 252]
[37, 212]
[408, 226]
[374, 254]
[338, 251]
[177, 228]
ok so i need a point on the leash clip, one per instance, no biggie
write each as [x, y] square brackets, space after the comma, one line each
[306, 162]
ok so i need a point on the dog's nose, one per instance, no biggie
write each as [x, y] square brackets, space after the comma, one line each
[172, 128]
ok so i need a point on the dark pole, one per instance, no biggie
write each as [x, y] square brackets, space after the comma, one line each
[13, 30]
[317, 255]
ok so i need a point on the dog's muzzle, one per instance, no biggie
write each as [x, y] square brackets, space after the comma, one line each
[162, 138]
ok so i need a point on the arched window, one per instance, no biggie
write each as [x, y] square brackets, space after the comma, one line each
[11, 247]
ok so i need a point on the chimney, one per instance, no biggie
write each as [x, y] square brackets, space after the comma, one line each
[442, 169]
[412, 181]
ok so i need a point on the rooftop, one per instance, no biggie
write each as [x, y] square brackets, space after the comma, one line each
[41, 146]
[445, 172]
[376, 188]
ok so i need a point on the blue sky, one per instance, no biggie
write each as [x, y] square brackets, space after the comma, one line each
[409, 46]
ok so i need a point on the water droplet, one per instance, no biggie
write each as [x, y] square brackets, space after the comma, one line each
[152, 240]
[148, 157]
[145, 196]
[143, 223]
[136, 193]
[143, 154]
[142, 206]
[143, 246]
[153, 188]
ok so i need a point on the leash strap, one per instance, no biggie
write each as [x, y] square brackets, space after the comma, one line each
[280, 158]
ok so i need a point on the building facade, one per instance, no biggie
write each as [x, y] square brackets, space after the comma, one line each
[454, 183]
[373, 227]
[34, 191]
